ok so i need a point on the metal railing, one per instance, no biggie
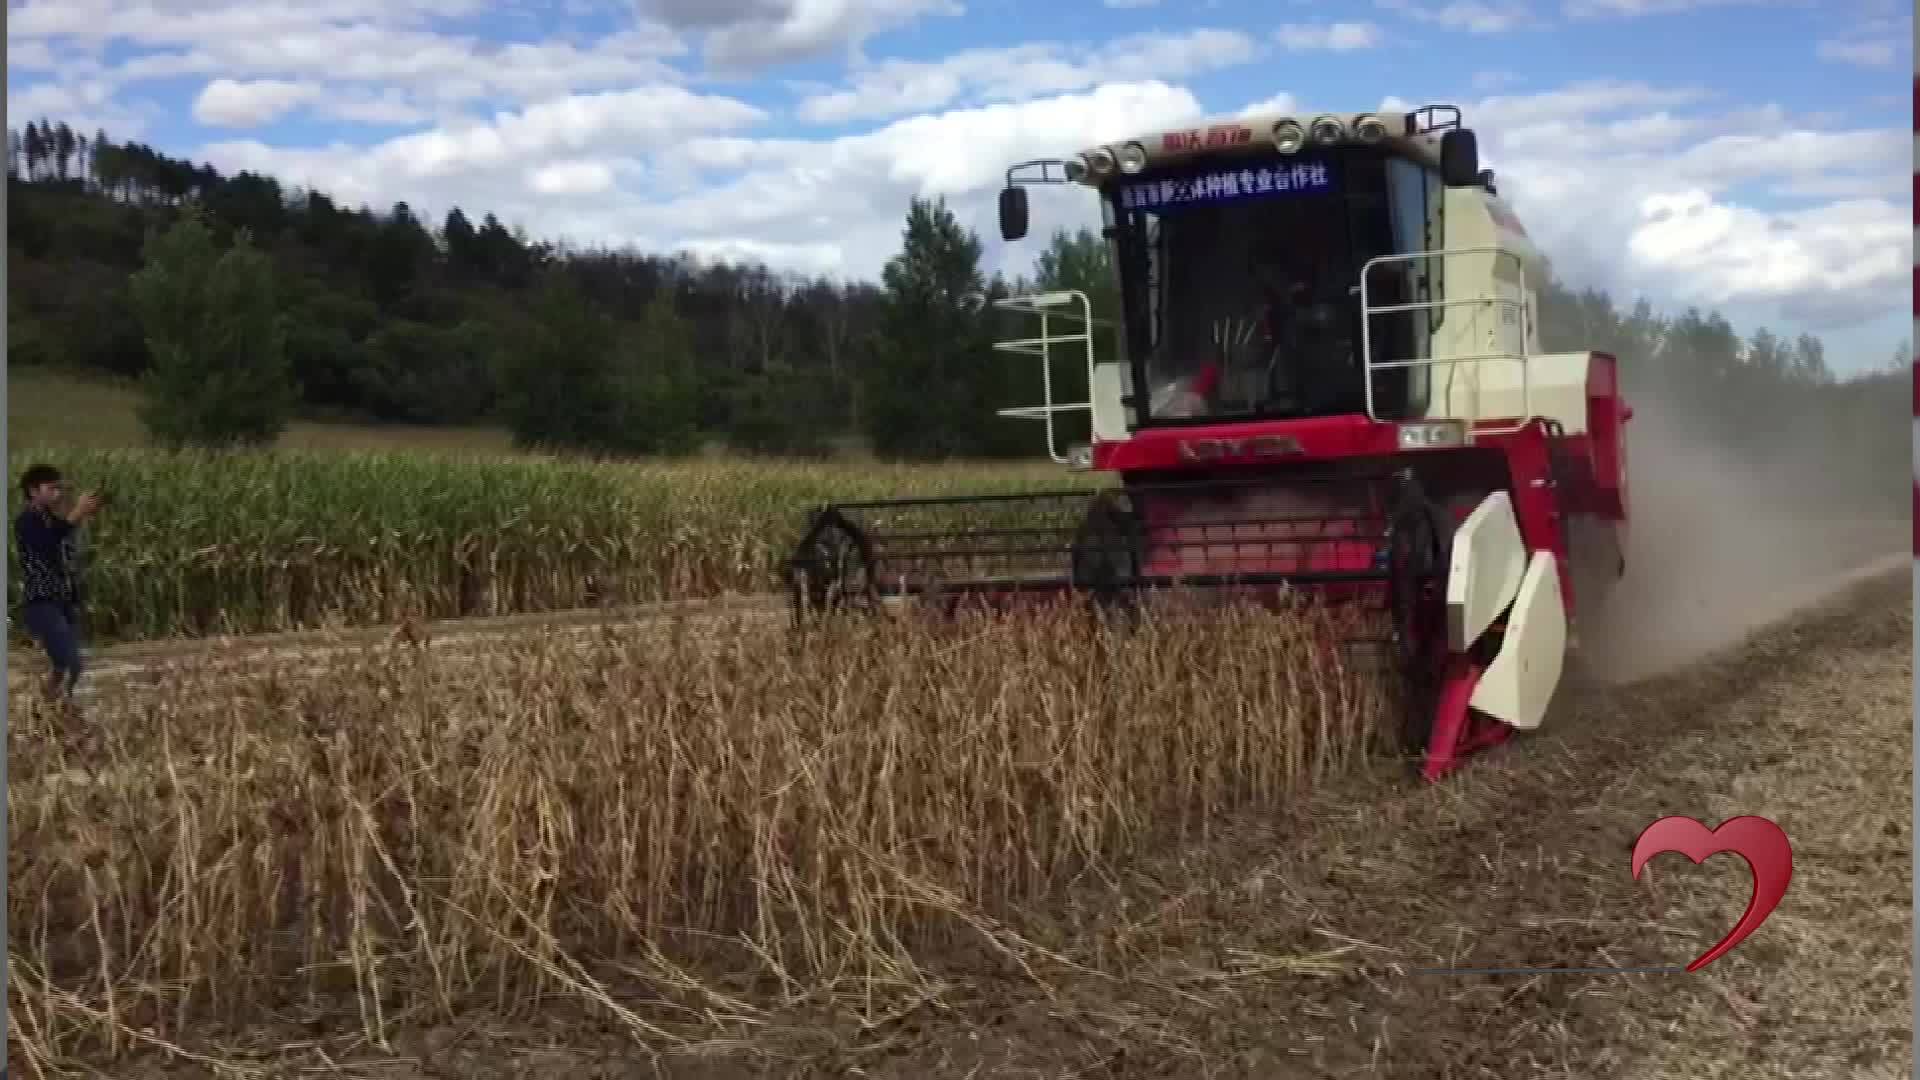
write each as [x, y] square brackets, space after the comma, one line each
[1517, 355]
[1044, 305]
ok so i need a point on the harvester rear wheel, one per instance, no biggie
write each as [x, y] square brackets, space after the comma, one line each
[1418, 550]
[831, 570]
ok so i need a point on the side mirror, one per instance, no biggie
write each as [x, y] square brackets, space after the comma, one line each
[1013, 213]
[1459, 158]
[1486, 181]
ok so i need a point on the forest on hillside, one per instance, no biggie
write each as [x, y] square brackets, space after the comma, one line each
[379, 314]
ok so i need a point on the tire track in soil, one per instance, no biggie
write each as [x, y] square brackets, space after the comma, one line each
[1523, 860]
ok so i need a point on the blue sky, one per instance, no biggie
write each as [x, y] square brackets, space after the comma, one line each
[1749, 156]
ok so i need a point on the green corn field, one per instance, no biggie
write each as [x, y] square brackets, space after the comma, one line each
[197, 543]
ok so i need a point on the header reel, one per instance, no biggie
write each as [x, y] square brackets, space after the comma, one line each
[1372, 555]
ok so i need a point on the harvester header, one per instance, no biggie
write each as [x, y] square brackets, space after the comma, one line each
[1327, 380]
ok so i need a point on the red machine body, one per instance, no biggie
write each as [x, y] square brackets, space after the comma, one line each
[1561, 486]
[1552, 477]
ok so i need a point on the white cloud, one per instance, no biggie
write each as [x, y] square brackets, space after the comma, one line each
[84, 104]
[1662, 191]
[487, 159]
[388, 109]
[1623, 189]
[232, 104]
[1872, 43]
[1810, 263]
[1331, 37]
[226, 103]
[1668, 191]
[571, 178]
[743, 34]
[1588, 9]
[832, 205]
[388, 47]
[1023, 71]
[1860, 53]
[962, 154]
[814, 260]
[1472, 16]
[1279, 103]
[29, 56]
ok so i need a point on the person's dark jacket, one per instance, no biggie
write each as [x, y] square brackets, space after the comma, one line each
[45, 542]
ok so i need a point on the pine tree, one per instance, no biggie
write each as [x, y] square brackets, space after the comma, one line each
[929, 362]
[559, 386]
[219, 374]
[654, 382]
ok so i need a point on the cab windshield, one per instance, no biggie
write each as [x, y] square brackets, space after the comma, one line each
[1241, 283]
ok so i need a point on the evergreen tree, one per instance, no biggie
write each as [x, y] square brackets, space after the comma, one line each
[928, 362]
[219, 373]
[654, 383]
[559, 387]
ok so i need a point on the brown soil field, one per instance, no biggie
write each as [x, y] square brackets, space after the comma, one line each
[1290, 943]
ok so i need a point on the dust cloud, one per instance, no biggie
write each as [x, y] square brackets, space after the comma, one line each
[1718, 546]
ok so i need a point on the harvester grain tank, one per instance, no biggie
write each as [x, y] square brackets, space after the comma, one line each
[1330, 380]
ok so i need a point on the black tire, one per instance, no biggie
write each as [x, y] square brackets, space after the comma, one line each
[1419, 547]
[831, 570]
[1107, 554]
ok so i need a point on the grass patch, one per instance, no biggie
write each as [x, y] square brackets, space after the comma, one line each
[59, 411]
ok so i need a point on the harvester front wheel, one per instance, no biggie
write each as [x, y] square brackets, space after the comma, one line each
[831, 570]
[1418, 549]
[1107, 553]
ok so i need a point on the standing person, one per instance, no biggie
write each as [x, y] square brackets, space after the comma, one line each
[50, 586]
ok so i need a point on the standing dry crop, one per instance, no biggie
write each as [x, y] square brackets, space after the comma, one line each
[632, 815]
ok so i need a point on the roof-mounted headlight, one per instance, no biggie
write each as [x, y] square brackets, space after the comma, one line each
[1288, 136]
[1328, 130]
[1100, 162]
[1133, 158]
[1370, 129]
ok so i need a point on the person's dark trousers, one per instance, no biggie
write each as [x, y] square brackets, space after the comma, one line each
[56, 625]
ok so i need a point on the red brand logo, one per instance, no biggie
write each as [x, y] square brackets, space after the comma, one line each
[1216, 449]
[1218, 137]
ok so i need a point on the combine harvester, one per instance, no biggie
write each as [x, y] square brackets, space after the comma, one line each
[1329, 382]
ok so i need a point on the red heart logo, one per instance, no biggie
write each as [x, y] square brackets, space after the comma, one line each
[1755, 839]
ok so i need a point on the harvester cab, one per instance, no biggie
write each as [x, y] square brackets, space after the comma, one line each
[1328, 381]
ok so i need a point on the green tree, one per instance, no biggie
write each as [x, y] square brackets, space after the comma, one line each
[402, 248]
[464, 257]
[219, 374]
[418, 373]
[559, 385]
[654, 382]
[1082, 261]
[928, 377]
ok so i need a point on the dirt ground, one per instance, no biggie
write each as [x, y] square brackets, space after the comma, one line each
[1292, 947]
